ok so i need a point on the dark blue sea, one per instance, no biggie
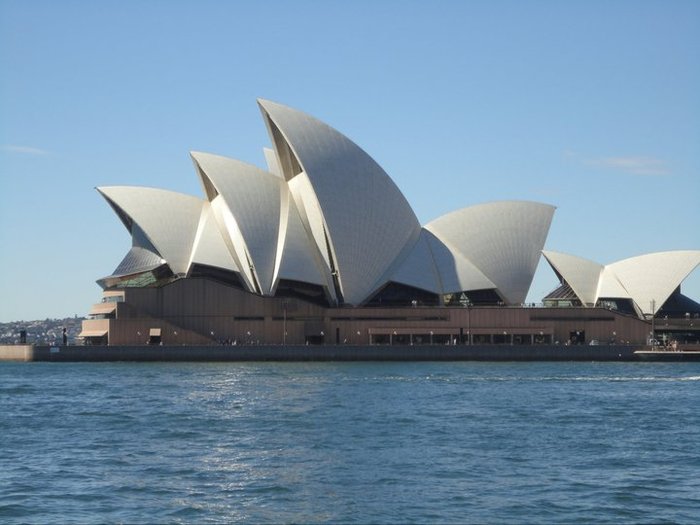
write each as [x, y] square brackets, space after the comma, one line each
[350, 443]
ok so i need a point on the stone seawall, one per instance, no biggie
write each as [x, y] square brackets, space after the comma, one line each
[17, 352]
[321, 353]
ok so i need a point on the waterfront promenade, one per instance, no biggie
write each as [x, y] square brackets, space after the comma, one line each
[321, 353]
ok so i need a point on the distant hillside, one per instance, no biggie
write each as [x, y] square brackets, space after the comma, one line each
[44, 331]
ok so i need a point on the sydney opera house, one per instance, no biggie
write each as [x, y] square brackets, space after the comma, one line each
[322, 247]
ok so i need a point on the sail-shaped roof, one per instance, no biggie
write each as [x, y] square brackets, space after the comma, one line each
[168, 219]
[502, 239]
[418, 268]
[252, 208]
[364, 221]
[648, 280]
[581, 274]
[209, 246]
[327, 214]
[300, 259]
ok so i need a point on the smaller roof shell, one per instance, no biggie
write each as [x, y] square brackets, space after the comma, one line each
[502, 239]
[252, 197]
[456, 273]
[649, 279]
[209, 246]
[298, 260]
[168, 219]
[581, 274]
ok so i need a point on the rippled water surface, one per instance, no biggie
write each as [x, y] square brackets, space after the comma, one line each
[356, 442]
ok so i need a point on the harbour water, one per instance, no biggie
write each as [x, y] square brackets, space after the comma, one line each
[350, 442]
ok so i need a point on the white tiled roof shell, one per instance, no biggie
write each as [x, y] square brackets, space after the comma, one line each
[209, 247]
[137, 260]
[300, 262]
[271, 161]
[580, 274]
[368, 220]
[502, 239]
[432, 266]
[311, 216]
[267, 219]
[654, 276]
[418, 267]
[610, 287]
[253, 198]
[456, 273]
[644, 278]
[169, 219]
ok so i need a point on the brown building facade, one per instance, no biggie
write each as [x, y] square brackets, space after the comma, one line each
[201, 311]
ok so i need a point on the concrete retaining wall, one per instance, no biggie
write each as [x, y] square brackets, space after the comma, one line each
[321, 353]
[16, 352]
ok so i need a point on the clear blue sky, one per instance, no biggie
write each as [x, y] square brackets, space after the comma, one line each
[592, 106]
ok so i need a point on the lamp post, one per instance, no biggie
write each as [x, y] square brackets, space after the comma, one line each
[284, 324]
[653, 328]
[469, 323]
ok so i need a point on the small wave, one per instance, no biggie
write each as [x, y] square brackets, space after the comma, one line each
[598, 379]
[640, 378]
[14, 510]
[18, 389]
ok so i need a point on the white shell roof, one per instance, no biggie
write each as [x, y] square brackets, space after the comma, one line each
[209, 247]
[137, 260]
[310, 215]
[271, 160]
[418, 268]
[298, 262]
[327, 204]
[253, 200]
[609, 286]
[367, 220]
[645, 278]
[502, 239]
[581, 274]
[169, 219]
[654, 276]
[455, 271]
